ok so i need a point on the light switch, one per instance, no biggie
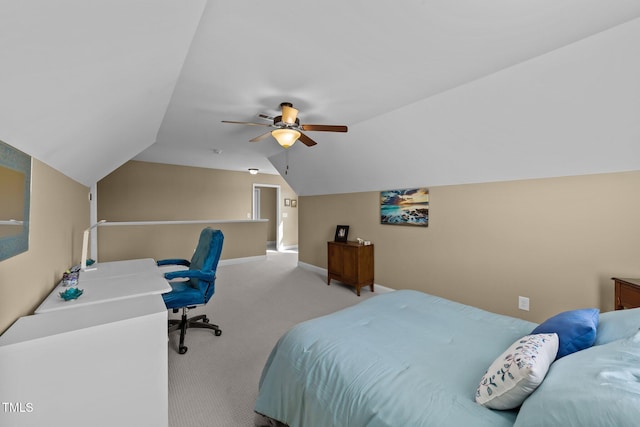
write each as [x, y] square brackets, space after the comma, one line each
[523, 303]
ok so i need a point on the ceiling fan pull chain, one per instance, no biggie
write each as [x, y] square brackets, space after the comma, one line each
[286, 156]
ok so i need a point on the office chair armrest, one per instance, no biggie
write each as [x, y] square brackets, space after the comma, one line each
[191, 274]
[174, 261]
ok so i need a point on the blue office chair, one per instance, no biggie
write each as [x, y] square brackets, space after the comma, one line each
[199, 287]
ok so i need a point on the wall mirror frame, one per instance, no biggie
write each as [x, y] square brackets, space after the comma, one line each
[14, 230]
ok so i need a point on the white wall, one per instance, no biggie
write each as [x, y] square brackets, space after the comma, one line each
[573, 111]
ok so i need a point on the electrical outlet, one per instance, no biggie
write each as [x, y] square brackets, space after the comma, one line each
[523, 303]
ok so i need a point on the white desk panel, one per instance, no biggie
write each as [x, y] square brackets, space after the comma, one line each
[103, 270]
[110, 281]
[102, 366]
[34, 327]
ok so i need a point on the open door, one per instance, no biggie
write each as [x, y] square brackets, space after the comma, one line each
[266, 205]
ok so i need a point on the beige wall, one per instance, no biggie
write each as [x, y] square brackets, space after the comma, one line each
[241, 240]
[142, 191]
[557, 241]
[59, 214]
[292, 217]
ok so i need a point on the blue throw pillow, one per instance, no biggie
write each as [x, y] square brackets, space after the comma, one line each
[576, 329]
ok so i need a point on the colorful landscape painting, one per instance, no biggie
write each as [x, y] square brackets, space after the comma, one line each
[405, 207]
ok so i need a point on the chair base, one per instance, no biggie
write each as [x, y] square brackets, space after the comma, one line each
[184, 323]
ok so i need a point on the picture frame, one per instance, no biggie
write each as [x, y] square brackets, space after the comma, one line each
[342, 231]
[287, 202]
[408, 206]
[294, 203]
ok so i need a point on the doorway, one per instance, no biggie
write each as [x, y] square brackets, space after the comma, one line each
[266, 205]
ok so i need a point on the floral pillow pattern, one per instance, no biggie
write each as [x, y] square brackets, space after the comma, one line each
[517, 372]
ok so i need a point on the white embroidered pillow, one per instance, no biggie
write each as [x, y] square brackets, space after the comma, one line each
[517, 372]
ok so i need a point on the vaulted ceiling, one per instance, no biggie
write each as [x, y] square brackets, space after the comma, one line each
[434, 92]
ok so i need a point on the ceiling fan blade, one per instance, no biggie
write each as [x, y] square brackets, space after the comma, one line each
[260, 137]
[265, 116]
[324, 128]
[306, 140]
[246, 123]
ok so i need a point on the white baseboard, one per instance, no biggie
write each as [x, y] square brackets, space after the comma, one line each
[323, 271]
[242, 260]
[312, 267]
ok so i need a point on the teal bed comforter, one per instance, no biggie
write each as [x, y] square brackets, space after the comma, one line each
[403, 358]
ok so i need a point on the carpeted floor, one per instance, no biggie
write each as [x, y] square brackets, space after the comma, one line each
[215, 384]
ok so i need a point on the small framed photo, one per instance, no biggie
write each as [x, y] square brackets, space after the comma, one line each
[341, 233]
[294, 203]
[287, 202]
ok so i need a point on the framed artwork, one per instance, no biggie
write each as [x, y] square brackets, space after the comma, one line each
[287, 202]
[341, 233]
[294, 203]
[408, 206]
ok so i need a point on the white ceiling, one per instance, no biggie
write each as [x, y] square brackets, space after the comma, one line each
[434, 92]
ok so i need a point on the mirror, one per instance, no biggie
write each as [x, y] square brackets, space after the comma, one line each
[15, 196]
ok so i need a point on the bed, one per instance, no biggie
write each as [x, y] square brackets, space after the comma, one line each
[406, 358]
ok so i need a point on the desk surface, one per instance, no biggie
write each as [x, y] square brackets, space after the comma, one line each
[56, 322]
[111, 281]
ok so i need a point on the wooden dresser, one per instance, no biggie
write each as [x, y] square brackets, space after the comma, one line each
[627, 293]
[350, 263]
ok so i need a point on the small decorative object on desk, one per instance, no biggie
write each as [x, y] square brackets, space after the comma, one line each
[69, 278]
[71, 293]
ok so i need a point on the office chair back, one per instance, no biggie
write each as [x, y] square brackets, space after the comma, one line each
[205, 259]
[197, 283]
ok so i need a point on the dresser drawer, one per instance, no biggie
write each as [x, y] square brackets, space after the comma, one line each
[627, 293]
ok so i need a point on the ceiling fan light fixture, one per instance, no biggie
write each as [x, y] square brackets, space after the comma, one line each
[286, 137]
[289, 114]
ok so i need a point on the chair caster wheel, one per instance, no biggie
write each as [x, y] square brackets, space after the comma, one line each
[218, 332]
[182, 350]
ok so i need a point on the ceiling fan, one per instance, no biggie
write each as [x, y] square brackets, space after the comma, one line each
[288, 128]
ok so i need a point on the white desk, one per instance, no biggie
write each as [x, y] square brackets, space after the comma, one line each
[101, 365]
[100, 360]
[110, 281]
